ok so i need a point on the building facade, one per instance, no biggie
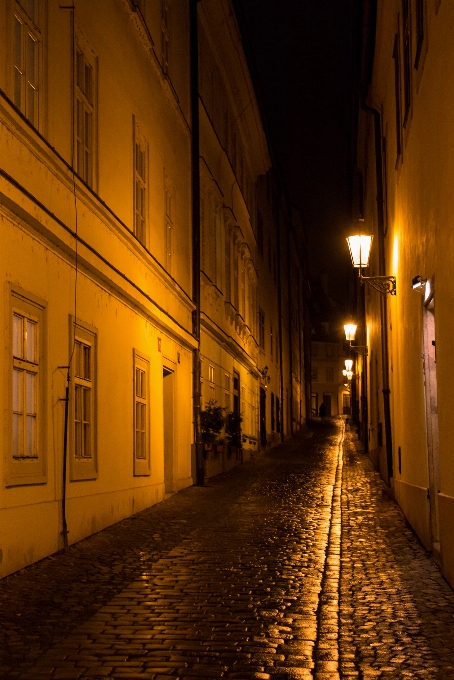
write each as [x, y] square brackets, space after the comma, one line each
[96, 209]
[405, 146]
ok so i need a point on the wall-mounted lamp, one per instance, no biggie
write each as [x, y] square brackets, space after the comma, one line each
[350, 333]
[419, 284]
[348, 364]
[265, 377]
[359, 246]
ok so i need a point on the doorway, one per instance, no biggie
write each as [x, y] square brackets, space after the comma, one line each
[430, 388]
[168, 388]
[262, 417]
[327, 403]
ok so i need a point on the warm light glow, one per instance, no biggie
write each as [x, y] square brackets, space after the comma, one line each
[350, 331]
[359, 246]
[348, 364]
[344, 372]
[349, 375]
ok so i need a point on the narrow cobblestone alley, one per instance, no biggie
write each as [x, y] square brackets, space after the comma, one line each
[295, 566]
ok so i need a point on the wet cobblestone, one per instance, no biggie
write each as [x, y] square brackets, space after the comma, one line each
[295, 566]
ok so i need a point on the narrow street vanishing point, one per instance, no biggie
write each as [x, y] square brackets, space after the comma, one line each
[296, 565]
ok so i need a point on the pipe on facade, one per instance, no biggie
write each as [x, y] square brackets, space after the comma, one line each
[195, 176]
[383, 298]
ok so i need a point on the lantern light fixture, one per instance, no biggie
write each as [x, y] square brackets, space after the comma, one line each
[350, 333]
[419, 284]
[359, 246]
[348, 364]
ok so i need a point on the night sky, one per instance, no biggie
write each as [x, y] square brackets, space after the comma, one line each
[303, 54]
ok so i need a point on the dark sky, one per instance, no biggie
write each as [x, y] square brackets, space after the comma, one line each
[304, 58]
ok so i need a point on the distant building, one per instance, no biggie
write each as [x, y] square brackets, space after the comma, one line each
[328, 384]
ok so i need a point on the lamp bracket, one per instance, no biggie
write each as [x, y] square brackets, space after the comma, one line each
[384, 284]
[360, 349]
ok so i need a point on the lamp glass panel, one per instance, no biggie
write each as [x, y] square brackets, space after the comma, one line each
[359, 246]
[349, 375]
[350, 331]
[348, 364]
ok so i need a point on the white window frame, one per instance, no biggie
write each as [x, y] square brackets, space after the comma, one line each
[140, 160]
[27, 72]
[83, 458]
[141, 414]
[23, 469]
[169, 237]
[85, 110]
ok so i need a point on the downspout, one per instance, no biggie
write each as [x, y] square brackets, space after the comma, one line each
[195, 175]
[290, 339]
[64, 532]
[383, 298]
[279, 311]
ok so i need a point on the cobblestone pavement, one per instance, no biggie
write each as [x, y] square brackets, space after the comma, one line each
[294, 566]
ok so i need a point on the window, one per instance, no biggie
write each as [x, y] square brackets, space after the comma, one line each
[406, 27]
[396, 57]
[141, 415]
[330, 374]
[278, 415]
[329, 349]
[314, 373]
[420, 29]
[27, 43]
[27, 461]
[169, 223]
[261, 329]
[85, 65]
[227, 391]
[83, 398]
[212, 388]
[314, 349]
[260, 233]
[140, 186]
[165, 36]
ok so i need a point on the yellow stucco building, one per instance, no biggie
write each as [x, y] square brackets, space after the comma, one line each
[96, 260]
[405, 152]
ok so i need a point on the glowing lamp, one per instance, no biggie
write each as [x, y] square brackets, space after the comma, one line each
[350, 331]
[349, 375]
[359, 246]
[348, 364]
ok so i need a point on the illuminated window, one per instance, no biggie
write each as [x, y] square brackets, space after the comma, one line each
[26, 51]
[141, 415]
[140, 186]
[85, 111]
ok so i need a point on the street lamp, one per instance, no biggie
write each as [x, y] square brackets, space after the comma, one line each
[350, 333]
[348, 364]
[359, 246]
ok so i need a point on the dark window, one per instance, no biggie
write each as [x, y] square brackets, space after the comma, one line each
[419, 11]
[396, 57]
[407, 57]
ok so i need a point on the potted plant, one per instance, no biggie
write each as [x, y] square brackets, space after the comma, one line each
[212, 421]
[233, 430]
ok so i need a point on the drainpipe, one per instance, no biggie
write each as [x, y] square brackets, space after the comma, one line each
[279, 312]
[383, 298]
[290, 338]
[195, 174]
